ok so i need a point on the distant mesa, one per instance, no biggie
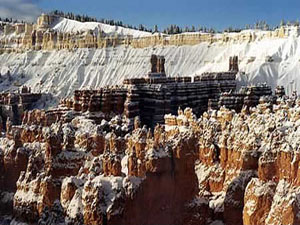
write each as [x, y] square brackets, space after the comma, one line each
[52, 32]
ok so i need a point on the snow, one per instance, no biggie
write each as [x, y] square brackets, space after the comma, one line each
[203, 173]
[285, 196]
[156, 153]
[216, 202]
[61, 72]
[75, 206]
[111, 186]
[251, 207]
[28, 196]
[124, 163]
[14, 222]
[197, 201]
[131, 184]
[71, 26]
[182, 129]
[262, 188]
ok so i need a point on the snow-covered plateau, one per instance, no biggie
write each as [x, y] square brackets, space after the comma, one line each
[61, 72]
[275, 61]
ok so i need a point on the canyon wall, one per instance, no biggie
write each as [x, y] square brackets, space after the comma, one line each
[273, 60]
[44, 36]
[58, 56]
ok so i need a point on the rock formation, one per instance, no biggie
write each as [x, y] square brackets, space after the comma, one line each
[152, 97]
[223, 156]
[157, 64]
[14, 105]
[239, 168]
[23, 37]
[234, 64]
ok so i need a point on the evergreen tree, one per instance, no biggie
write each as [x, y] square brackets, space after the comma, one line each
[266, 26]
[141, 27]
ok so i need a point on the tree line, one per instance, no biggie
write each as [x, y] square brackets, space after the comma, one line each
[171, 29]
[10, 20]
[85, 18]
[174, 29]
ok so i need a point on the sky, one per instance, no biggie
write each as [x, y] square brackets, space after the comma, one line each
[218, 14]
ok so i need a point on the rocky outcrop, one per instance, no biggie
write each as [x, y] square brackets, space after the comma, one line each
[239, 168]
[13, 105]
[157, 64]
[249, 96]
[23, 37]
[152, 97]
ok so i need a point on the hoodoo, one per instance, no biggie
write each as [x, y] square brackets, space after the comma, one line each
[103, 123]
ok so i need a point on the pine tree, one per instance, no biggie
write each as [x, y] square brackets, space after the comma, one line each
[282, 23]
[177, 30]
[212, 30]
[141, 27]
[266, 26]
[155, 28]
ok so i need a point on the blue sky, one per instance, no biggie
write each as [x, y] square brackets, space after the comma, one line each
[218, 14]
[212, 13]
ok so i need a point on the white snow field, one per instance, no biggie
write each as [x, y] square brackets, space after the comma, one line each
[274, 61]
[71, 26]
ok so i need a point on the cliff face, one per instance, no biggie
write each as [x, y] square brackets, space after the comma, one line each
[236, 168]
[62, 72]
[58, 56]
[51, 32]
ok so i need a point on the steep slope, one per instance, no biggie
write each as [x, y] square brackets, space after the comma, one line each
[67, 26]
[86, 59]
[61, 72]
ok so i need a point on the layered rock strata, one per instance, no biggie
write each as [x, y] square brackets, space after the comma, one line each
[247, 96]
[239, 168]
[152, 97]
[43, 35]
[13, 105]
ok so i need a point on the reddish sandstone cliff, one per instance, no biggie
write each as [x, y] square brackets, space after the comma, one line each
[236, 168]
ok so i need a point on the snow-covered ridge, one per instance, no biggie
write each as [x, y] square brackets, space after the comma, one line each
[268, 56]
[276, 62]
[71, 26]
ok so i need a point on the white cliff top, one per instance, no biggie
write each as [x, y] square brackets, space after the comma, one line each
[71, 26]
